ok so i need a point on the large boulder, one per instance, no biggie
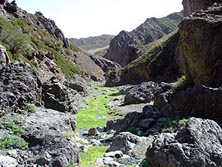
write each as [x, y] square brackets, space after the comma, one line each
[198, 144]
[44, 131]
[145, 123]
[55, 96]
[200, 38]
[198, 101]
[130, 144]
[19, 85]
[144, 93]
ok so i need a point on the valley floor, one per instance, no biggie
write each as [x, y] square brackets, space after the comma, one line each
[103, 104]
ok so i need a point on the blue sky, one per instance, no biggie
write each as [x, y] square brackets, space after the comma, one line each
[83, 18]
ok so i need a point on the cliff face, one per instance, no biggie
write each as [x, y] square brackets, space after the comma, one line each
[191, 6]
[127, 46]
[201, 44]
[123, 49]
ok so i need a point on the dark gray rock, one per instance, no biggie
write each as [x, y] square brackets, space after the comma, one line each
[122, 49]
[51, 27]
[11, 7]
[198, 144]
[136, 122]
[61, 150]
[19, 85]
[104, 64]
[45, 134]
[55, 96]
[124, 142]
[2, 2]
[145, 92]
[146, 123]
[198, 101]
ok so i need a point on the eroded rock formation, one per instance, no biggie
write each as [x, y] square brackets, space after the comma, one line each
[200, 36]
[197, 144]
[191, 6]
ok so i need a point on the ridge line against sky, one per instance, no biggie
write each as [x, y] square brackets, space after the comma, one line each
[84, 18]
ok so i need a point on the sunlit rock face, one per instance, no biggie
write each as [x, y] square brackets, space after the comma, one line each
[191, 6]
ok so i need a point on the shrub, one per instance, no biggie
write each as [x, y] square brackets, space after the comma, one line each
[13, 127]
[12, 141]
[30, 107]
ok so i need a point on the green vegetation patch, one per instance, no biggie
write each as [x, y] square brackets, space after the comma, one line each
[88, 158]
[97, 113]
[30, 107]
[12, 141]
[172, 125]
[13, 127]
[22, 40]
[67, 67]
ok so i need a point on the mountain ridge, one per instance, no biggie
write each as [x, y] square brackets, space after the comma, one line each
[127, 46]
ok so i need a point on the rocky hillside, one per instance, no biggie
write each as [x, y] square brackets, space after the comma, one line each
[93, 45]
[127, 46]
[161, 62]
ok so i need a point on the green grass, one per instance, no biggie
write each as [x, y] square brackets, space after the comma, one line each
[22, 40]
[97, 113]
[74, 48]
[30, 107]
[12, 141]
[88, 158]
[13, 127]
[68, 68]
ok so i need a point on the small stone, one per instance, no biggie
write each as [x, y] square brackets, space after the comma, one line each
[92, 132]
[7, 161]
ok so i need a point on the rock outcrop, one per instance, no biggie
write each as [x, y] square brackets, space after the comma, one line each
[145, 92]
[160, 63]
[123, 49]
[201, 51]
[199, 101]
[19, 85]
[44, 132]
[191, 6]
[104, 64]
[149, 122]
[51, 27]
[55, 96]
[198, 144]
[126, 46]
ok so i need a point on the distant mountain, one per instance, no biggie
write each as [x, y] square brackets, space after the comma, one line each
[127, 46]
[93, 45]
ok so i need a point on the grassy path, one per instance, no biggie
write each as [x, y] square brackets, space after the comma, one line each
[97, 113]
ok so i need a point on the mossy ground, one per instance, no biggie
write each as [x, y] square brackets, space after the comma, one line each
[97, 113]
[94, 152]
